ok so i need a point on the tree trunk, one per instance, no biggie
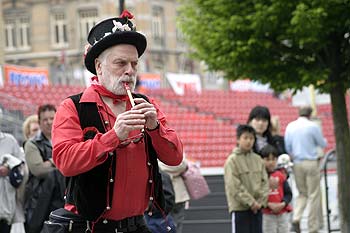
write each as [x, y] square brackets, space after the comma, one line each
[342, 137]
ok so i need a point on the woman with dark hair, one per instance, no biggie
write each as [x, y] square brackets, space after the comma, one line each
[260, 119]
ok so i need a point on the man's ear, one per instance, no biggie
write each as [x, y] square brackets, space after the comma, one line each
[98, 66]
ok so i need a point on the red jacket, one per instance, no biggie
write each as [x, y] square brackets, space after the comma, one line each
[72, 155]
[276, 192]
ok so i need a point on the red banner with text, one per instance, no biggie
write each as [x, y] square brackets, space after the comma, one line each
[25, 76]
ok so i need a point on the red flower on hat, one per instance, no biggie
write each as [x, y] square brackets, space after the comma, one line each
[126, 14]
[86, 49]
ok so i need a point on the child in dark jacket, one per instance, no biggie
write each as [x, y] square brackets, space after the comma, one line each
[275, 216]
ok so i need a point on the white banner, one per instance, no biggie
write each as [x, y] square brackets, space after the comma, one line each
[184, 82]
[1, 77]
[248, 85]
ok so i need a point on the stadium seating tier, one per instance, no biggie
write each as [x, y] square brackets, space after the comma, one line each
[205, 122]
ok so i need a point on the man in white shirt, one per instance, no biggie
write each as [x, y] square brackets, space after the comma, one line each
[302, 140]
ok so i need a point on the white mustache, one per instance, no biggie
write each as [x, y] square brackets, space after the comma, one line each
[128, 79]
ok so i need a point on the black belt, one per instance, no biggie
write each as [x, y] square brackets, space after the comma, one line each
[125, 225]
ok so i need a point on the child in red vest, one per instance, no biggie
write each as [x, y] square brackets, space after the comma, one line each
[275, 216]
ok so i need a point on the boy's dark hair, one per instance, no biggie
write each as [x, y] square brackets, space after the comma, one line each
[244, 129]
[44, 108]
[268, 150]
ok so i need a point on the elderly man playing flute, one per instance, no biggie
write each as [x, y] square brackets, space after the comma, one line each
[106, 141]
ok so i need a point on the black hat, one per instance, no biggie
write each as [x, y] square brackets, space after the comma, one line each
[110, 32]
[16, 176]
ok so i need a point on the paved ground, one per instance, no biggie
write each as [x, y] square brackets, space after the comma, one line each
[333, 204]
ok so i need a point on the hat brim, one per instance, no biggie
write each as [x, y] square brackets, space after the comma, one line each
[122, 37]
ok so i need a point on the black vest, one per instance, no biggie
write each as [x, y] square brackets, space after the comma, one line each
[88, 191]
[44, 146]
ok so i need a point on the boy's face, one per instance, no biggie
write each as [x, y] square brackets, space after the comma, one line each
[270, 163]
[246, 141]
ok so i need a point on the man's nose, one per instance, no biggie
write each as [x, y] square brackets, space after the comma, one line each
[129, 70]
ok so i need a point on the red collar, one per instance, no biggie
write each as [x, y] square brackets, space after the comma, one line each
[104, 92]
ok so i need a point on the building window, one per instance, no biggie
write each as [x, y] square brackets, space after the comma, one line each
[158, 25]
[88, 19]
[17, 33]
[23, 29]
[10, 34]
[59, 35]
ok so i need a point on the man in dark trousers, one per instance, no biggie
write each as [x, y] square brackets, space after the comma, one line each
[107, 142]
[45, 187]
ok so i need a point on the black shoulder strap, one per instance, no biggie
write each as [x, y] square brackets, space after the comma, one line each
[81, 189]
[88, 113]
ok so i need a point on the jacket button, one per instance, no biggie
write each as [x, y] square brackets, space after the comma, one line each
[111, 180]
[148, 163]
[151, 198]
[110, 153]
[105, 221]
[108, 207]
[106, 122]
[150, 181]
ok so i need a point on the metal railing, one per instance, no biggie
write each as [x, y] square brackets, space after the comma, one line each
[329, 162]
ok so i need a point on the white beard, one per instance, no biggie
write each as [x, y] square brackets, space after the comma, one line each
[115, 84]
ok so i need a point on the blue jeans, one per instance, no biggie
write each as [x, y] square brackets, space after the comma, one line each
[158, 224]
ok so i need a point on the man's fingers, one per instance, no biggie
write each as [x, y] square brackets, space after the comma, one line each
[129, 128]
[140, 100]
[141, 103]
[131, 113]
[133, 121]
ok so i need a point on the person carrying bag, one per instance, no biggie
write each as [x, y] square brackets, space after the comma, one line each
[195, 182]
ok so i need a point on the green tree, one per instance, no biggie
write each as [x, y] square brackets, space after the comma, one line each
[288, 44]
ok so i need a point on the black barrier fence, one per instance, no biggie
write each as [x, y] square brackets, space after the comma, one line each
[329, 166]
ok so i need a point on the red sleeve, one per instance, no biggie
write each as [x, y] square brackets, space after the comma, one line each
[71, 154]
[165, 141]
